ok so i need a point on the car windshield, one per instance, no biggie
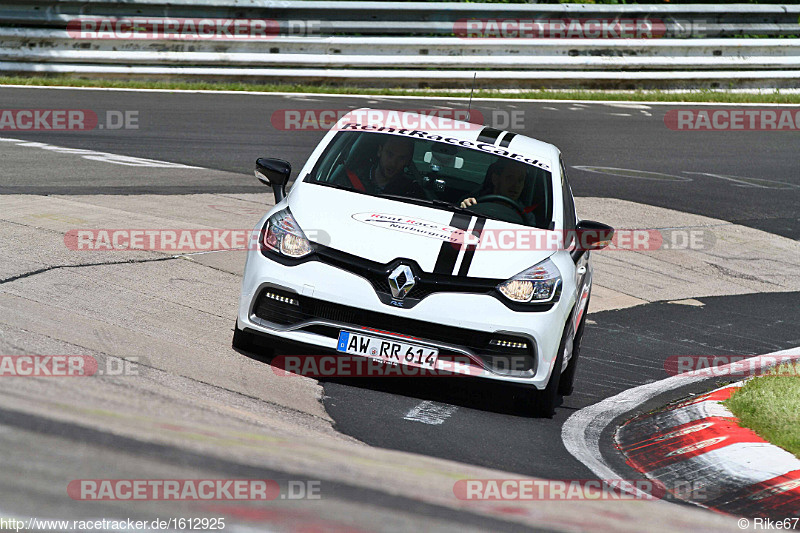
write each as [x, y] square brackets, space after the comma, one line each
[444, 175]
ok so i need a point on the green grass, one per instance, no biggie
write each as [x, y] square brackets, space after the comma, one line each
[770, 406]
[765, 97]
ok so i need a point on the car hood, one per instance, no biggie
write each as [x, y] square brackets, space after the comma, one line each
[383, 230]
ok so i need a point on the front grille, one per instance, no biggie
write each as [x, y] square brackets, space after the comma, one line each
[495, 356]
[378, 275]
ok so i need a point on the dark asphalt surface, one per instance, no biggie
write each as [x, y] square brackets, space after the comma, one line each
[621, 349]
[229, 131]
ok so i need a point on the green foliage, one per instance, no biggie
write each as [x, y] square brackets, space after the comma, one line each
[770, 406]
[763, 97]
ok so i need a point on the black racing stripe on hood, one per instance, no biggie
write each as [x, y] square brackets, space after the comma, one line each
[448, 253]
[463, 270]
[489, 135]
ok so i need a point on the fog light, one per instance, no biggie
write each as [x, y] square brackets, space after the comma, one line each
[508, 344]
[282, 299]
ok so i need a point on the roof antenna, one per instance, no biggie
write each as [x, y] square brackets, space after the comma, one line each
[469, 108]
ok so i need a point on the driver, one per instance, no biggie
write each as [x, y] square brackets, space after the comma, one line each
[388, 174]
[506, 177]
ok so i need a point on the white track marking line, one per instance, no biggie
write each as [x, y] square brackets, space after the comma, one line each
[627, 106]
[581, 432]
[430, 413]
[423, 97]
[104, 157]
[639, 174]
[747, 182]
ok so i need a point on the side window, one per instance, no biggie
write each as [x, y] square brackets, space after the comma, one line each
[569, 203]
[333, 158]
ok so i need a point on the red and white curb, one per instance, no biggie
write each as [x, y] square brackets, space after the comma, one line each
[738, 474]
[699, 453]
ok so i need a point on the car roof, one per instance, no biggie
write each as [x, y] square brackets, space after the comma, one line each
[443, 123]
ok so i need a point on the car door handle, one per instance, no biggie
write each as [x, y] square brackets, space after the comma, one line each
[582, 271]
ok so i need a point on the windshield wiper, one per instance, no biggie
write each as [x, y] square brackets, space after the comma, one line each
[428, 202]
[419, 201]
[334, 185]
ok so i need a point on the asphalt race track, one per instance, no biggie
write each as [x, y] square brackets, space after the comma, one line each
[624, 348]
[227, 132]
[739, 179]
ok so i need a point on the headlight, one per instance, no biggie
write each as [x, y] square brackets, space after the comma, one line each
[283, 235]
[540, 283]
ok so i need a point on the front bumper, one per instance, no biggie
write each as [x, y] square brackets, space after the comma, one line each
[310, 302]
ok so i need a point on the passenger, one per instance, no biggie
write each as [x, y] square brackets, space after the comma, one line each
[387, 175]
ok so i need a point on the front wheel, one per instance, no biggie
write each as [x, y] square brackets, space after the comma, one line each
[543, 403]
[567, 383]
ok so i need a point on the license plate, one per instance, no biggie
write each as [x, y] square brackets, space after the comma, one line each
[387, 350]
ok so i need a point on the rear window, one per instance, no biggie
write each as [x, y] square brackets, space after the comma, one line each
[444, 175]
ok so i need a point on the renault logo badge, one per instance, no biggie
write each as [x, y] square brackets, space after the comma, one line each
[401, 280]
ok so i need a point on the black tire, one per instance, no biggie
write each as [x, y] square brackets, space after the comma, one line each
[543, 403]
[567, 384]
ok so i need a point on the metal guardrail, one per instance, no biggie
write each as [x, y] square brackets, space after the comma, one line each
[412, 44]
[56, 46]
[416, 18]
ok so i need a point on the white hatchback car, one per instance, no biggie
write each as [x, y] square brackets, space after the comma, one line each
[426, 246]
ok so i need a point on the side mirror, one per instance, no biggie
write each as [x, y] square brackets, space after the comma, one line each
[275, 173]
[591, 235]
